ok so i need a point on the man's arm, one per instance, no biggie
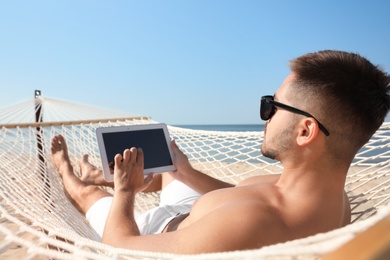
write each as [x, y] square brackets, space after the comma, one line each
[228, 228]
[233, 226]
[128, 181]
[219, 231]
[195, 179]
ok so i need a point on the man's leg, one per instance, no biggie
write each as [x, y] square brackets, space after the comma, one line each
[160, 181]
[175, 192]
[155, 185]
[82, 192]
[90, 175]
[166, 179]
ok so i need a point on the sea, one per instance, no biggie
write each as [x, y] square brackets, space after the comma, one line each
[367, 153]
[253, 157]
[227, 127]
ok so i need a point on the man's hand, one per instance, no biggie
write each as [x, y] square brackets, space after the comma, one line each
[193, 178]
[180, 160]
[128, 172]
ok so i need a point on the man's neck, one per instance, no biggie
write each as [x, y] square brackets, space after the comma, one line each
[312, 176]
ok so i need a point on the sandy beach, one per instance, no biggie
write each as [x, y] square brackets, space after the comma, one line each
[10, 249]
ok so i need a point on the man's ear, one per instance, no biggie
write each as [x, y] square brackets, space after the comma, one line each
[308, 131]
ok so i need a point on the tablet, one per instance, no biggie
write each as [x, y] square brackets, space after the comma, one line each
[152, 138]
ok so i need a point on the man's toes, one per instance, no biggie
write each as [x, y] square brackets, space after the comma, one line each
[85, 157]
[54, 145]
[61, 139]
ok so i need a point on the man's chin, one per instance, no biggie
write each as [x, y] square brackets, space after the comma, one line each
[267, 153]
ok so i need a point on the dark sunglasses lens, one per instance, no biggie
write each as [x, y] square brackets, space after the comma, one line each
[266, 110]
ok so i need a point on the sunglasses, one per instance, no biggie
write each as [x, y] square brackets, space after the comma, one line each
[268, 109]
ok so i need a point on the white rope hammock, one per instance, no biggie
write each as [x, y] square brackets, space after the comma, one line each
[36, 216]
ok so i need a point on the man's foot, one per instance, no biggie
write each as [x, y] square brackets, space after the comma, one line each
[80, 194]
[60, 156]
[91, 175]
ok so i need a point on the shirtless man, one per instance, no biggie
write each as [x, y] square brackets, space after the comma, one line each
[322, 114]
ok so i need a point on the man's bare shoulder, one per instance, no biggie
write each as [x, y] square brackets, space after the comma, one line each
[260, 179]
[243, 217]
[238, 225]
[258, 223]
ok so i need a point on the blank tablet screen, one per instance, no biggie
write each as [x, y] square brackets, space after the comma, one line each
[152, 142]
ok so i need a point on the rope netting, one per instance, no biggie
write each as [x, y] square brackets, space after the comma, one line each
[38, 219]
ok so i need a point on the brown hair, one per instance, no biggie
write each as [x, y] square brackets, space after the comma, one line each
[348, 93]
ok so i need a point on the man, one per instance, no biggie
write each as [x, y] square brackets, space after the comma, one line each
[323, 113]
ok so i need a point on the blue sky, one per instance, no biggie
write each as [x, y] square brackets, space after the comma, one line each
[180, 62]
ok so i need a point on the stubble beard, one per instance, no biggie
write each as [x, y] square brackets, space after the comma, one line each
[279, 144]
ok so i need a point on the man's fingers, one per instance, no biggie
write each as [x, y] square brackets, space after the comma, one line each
[140, 155]
[175, 148]
[133, 155]
[118, 160]
[127, 154]
[173, 144]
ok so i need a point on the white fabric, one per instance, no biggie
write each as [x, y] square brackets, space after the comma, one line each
[175, 199]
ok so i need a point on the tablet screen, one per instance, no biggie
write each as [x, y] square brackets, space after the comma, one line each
[152, 142]
[152, 138]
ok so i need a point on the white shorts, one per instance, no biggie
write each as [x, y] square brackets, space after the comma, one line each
[175, 199]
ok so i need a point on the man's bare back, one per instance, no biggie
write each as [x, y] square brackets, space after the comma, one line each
[287, 215]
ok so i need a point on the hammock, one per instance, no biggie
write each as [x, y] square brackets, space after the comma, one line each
[37, 219]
